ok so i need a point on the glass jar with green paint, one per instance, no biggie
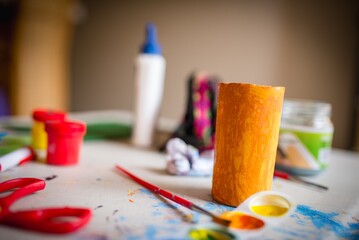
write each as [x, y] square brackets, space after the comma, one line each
[305, 137]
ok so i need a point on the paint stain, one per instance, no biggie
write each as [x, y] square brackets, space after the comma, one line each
[174, 221]
[99, 206]
[51, 177]
[131, 193]
[157, 212]
[242, 221]
[130, 200]
[326, 221]
[214, 234]
[217, 207]
[277, 185]
[296, 234]
[151, 232]
[164, 205]
[188, 218]
[269, 210]
[147, 193]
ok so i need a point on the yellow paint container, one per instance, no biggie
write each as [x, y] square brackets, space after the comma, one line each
[247, 129]
[39, 135]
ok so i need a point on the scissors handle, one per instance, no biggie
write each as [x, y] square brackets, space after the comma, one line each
[50, 220]
[22, 187]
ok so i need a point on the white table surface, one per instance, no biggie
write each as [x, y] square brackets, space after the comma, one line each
[117, 214]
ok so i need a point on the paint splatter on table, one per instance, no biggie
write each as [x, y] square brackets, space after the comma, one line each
[322, 225]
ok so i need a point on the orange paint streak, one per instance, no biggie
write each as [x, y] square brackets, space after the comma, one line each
[242, 221]
[131, 193]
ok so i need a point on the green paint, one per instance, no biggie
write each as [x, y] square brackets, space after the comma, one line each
[210, 234]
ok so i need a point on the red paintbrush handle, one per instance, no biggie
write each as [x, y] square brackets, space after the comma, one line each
[281, 174]
[158, 190]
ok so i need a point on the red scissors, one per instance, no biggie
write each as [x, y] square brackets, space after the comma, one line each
[49, 220]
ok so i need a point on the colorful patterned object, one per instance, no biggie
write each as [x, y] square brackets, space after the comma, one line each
[198, 125]
[202, 112]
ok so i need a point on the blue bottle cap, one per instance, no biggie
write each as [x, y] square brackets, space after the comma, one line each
[151, 46]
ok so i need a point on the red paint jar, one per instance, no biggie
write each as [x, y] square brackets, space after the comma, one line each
[40, 116]
[43, 115]
[64, 141]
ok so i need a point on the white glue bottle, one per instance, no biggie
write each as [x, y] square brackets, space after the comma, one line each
[149, 81]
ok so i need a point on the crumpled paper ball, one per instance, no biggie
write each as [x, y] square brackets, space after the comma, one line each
[183, 159]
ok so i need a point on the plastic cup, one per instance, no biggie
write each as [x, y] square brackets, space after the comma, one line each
[64, 141]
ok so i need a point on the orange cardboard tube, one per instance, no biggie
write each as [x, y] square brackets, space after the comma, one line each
[247, 129]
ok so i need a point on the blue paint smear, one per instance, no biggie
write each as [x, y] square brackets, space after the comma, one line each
[145, 191]
[148, 193]
[195, 217]
[159, 232]
[174, 221]
[157, 213]
[292, 233]
[217, 207]
[326, 221]
[164, 205]
[151, 232]
[122, 218]
[354, 226]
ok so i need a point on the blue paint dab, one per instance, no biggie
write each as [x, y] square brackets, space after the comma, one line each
[145, 191]
[157, 213]
[148, 193]
[297, 234]
[323, 220]
[297, 219]
[221, 208]
[354, 226]
[195, 217]
[210, 206]
[151, 232]
[164, 205]
[160, 232]
[174, 221]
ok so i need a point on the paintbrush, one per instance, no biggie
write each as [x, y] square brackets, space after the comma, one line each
[175, 198]
[287, 176]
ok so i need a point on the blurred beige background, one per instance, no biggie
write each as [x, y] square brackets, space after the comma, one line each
[307, 47]
[78, 55]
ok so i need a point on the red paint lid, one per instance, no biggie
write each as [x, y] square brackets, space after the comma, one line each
[65, 128]
[43, 115]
